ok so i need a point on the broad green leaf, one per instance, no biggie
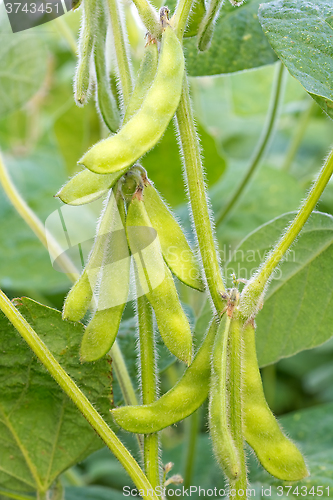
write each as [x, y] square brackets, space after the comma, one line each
[269, 193]
[41, 431]
[298, 307]
[164, 166]
[23, 67]
[238, 43]
[301, 34]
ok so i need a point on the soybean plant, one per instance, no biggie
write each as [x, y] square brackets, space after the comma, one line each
[141, 233]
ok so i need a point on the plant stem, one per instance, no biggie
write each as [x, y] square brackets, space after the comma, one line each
[148, 385]
[264, 141]
[193, 423]
[235, 384]
[121, 50]
[196, 187]
[35, 224]
[179, 20]
[149, 17]
[298, 136]
[295, 227]
[75, 394]
[67, 266]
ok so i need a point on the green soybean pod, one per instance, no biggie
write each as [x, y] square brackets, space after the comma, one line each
[102, 330]
[82, 80]
[219, 410]
[106, 101]
[156, 281]
[175, 248]
[144, 81]
[276, 453]
[80, 296]
[180, 402]
[206, 29]
[147, 126]
[87, 186]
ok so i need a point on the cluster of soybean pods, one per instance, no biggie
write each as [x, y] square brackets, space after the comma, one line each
[136, 221]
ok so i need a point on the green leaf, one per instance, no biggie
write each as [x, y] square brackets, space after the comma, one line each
[298, 307]
[238, 43]
[269, 193]
[41, 431]
[23, 68]
[163, 164]
[302, 36]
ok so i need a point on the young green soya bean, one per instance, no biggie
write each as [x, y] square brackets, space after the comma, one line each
[180, 402]
[102, 330]
[156, 281]
[176, 251]
[223, 444]
[147, 70]
[105, 100]
[80, 296]
[87, 186]
[82, 80]
[146, 127]
[277, 454]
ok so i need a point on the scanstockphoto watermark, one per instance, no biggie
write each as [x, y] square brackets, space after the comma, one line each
[182, 492]
[220, 493]
[26, 14]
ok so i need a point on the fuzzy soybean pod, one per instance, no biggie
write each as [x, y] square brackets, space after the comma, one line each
[156, 282]
[105, 100]
[175, 248]
[86, 187]
[276, 453]
[219, 410]
[147, 126]
[102, 330]
[80, 296]
[180, 402]
[146, 74]
[82, 80]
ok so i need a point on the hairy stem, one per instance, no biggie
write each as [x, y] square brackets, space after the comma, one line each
[237, 487]
[121, 50]
[193, 424]
[148, 385]
[292, 232]
[298, 135]
[75, 394]
[196, 188]
[264, 141]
